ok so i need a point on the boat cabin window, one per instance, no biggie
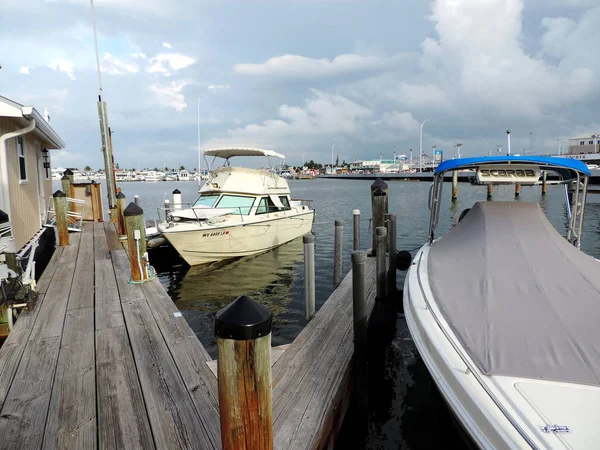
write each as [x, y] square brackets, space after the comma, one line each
[241, 205]
[285, 202]
[266, 205]
[207, 200]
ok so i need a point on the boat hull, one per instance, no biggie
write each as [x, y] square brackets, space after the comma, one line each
[207, 245]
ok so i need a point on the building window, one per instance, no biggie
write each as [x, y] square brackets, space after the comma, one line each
[591, 142]
[21, 153]
[581, 142]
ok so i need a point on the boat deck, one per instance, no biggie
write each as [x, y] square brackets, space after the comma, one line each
[102, 363]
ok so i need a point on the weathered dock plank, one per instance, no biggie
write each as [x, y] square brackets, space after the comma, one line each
[82, 291]
[173, 417]
[312, 377]
[122, 419]
[71, 419]
[46, 278]
[112, 238]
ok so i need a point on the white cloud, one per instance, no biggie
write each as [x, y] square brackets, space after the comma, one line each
[166, 63]
[401, 121]
[25, 70]
[419, 95]
[169, 94]
[63, 66]
[167, 45]
[218, 87]
[58, 98]
[296, 66]
[121, 66]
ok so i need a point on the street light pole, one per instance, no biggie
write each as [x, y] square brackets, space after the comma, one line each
[334, 144]
[421, 145]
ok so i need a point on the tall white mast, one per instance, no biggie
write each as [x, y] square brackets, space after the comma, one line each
[199, 151]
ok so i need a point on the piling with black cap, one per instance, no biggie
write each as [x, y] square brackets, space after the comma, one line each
[361, 323]
[517, 189]
[65, 185]
[391, 232]
[176, 199]
[454, 185]
[69, 174]
[379, 205]
[356, 226]
[381, 269]
[309, 274]
[136, 241]
[338, 243]
[243, 337]
[121, 205]
[62, 220]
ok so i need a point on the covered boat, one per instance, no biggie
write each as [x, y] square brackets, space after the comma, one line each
[504, 311]
[240, 212]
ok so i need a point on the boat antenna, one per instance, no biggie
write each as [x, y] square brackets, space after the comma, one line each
[96, 46]
[199, 151]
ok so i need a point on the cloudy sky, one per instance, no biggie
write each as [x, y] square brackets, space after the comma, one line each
[298, 75]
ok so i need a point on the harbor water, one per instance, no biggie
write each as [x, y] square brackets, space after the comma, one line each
[406, 411]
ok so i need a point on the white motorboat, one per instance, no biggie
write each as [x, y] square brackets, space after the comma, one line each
[152, 176]
[504, 312]
[170, 176]
[240, 212]
[183, 175]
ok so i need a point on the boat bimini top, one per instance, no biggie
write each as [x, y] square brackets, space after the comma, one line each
[523, 170]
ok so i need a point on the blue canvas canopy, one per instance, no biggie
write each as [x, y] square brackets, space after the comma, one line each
[566, 167]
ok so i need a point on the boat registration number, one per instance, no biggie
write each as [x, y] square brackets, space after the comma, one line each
[215, 233]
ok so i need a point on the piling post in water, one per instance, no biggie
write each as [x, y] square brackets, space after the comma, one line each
[361, 323]
[243, 337]
[490, 190]
[381, 270]
[176, 199]
[379, 205]
[454, 185]
[309, 274]
[517, 189]
[136, 200]
[62, 220]
[65, 184]
[136, 241]
[391, 232]
[121, 205]
[544, 185]
[356, 225]
[337, 252]
[69, 174]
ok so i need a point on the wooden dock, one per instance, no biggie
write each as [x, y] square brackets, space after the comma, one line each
[103, 363]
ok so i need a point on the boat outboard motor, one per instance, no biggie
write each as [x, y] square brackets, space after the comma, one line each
[403, 260]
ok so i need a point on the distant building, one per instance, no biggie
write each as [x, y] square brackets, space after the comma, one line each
[584, 145]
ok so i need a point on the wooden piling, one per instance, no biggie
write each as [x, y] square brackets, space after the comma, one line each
[121, 205]
[379, 206]
[62, 220]
[391, 232]
[65, 184]
[381, 235]
[544, 184]
[69, 174]
[356, 229]
[517, 189]
[337, 252]
[243, 337]
[361, 323]
[136, 241]
[309, 274]
[490, 190]
[454, 185]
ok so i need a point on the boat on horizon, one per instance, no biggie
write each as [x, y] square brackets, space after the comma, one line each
[504, 312]
[240, 212]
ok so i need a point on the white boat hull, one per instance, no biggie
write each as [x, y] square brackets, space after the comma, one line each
[209, 244]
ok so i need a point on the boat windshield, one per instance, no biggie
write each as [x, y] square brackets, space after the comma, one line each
[207, 201]
[241, 204]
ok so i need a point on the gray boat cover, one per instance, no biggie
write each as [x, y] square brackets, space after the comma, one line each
[521, 299]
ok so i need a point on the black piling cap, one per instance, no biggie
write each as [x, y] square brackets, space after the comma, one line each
[378, 183]
[68, 172]
[176, 191]
[59, 193]
[133, 210]
[64, 177]
[3, 216]
[243, 320]
[403, 260]
[121, 195]
[379, 192]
